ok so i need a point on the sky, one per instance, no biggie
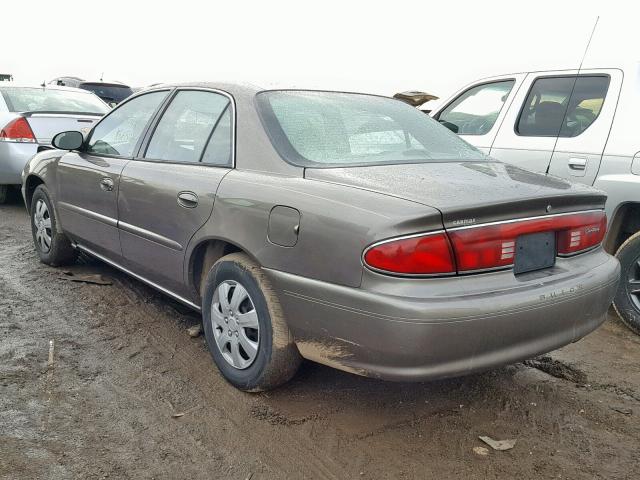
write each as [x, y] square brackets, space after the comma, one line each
[369, 46]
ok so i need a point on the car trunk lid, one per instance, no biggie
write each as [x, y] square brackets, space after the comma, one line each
[45, 125]
[469, 193]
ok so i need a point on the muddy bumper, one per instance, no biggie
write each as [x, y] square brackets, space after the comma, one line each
[421, 329]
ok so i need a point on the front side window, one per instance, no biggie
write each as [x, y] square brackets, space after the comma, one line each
[477, 109]
[562, 106]
[29, 99]
[118, 133]
[187, 126]
[329, 129]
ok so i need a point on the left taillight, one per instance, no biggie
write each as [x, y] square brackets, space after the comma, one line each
[425, 254]
[17, 130]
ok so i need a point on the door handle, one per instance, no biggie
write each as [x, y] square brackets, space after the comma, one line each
[187, 199]
[106, 184]
[578, 163]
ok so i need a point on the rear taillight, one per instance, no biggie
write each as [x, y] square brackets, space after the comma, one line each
[482, 247]
[428, 254]
[493, 246]
[584, 236]
[17, 130]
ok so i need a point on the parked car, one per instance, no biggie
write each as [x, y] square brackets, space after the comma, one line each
[111, 92]
[348, 229]
[31, 116]
[582, 128]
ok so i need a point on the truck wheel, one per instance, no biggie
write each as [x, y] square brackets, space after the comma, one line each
[53, 247]
[4, 193]
[244, 326]
[627, 299]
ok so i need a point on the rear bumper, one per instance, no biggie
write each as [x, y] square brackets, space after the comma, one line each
[13, 157]
[413, 330]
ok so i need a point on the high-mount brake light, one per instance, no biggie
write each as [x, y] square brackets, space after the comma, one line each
[17, 130]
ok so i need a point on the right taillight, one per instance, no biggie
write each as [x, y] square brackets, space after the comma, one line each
[425, 254]
[17, 130]
[587, 232]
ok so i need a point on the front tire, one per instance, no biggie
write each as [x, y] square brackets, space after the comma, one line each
[4, 193]
[627, 299]
[244, 326]
[53, 247]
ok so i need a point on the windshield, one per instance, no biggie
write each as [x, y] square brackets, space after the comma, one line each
[328, 129]
[26, 99]
[109, 93]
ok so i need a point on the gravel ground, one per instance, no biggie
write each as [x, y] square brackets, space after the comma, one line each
[129, 394]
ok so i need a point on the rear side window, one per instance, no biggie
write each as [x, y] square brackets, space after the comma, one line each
[476, 110]
[187, 126]
[118, 133]
[26, 99]
[562, 106]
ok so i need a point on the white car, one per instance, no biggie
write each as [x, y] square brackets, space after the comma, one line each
[579, 125]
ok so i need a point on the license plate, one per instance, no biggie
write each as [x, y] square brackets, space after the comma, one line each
[534, 252]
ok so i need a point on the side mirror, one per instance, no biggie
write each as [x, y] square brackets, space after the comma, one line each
[71, 140]
[451, 126]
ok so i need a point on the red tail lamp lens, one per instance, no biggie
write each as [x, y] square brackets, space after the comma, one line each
[17, 130]
[493, 246]
[420, 255]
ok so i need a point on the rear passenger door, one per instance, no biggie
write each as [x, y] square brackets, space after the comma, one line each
[586, 126]
[559, 123]
[167, 191]
[477, 111]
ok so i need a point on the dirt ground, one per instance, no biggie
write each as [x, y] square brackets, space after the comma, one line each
[131, 395]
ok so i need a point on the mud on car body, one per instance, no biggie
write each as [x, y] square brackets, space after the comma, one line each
[344, 228]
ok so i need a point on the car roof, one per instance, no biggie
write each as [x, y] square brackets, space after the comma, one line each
[45, 87]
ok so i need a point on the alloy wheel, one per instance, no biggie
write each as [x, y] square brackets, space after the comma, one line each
[633, 283]
[235, 324]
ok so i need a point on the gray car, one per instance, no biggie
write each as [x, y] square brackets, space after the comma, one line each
[348, 229]
[31, 116]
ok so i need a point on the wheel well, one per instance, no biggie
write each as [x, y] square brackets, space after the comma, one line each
[626, 222]
[30, 185]
[203, 258]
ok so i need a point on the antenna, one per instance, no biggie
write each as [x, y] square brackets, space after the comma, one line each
[573, 87]
[101, 76]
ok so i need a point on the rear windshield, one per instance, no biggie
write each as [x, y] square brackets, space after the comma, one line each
[109, 93]
[329, 129]
[26, 99]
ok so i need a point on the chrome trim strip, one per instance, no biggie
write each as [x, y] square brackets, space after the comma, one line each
[501, 222]
[146, 234]
[112, 222]
[139, 277]
[404, 275]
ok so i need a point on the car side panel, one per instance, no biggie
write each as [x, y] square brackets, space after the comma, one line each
[336, 223]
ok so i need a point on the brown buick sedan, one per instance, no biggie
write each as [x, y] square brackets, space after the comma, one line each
[348, 229]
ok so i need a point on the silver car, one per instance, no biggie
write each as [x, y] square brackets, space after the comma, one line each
[31, 116]
[347, 229]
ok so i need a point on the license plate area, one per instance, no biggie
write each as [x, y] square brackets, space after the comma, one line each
[534, 251]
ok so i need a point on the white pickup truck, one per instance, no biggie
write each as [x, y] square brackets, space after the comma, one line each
[577, 124]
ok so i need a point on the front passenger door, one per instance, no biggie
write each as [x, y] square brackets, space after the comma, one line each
[167, 193]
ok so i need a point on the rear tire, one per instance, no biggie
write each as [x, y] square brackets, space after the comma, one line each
[53, 247]
[4, 193]
[627, 299]
[247, 336]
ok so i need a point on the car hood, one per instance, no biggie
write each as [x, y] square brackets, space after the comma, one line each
[469, 192]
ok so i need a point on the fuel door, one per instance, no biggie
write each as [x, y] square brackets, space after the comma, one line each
[284, 226]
